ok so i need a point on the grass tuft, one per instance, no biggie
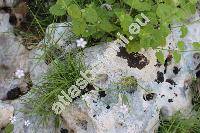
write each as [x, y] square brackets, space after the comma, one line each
[62, 74]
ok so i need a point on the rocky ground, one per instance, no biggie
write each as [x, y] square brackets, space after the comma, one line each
[167, 84]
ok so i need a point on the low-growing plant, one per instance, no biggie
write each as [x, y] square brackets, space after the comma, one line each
[178, 123]
[103, 19]
[62, 74]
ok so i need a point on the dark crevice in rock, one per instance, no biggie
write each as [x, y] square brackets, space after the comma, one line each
[170, 100]
[171, 81]
[149, 96]
[134, 60]
[160, 77]
[108, 107]
[14, 94]
[176, 70]
[198, 74]
[62, 130]
[13, 20]
[102, 94]
[82, 124]
[6, 9]
[167, 62]
[88, 88]
[158, 64]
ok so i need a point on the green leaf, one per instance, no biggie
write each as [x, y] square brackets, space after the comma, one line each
[125, 20]
[74, 11]
[90, 30]
[64, 3]
[176, 56]
[184, 31]
[57, 10]
[106, 26]
[90, 14]
[78, 26]
[110, 1]
[140, 5]
[9, 128]
[193, 1]
[160, 56]
[181, 45]
[196, 45]
[163, 11]
[133, 46]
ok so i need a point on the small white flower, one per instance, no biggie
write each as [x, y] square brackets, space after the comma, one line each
[19, 73]
[85, 97]
[124, 109]
[27, 123]
[12, 119]
[81, 43]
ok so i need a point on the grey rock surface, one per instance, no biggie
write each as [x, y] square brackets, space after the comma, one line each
[6, 113]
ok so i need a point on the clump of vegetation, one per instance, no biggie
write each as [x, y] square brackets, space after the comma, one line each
[129, 82]
[62, 74]
[179, 123]
[103, 19]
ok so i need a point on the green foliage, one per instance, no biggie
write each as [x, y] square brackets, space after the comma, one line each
[95, 22]
[180, 45]
[196, 45]
[176, 56]
[160, 56]
[9, 128]
[178, 123]
[62, 74]
[184, 31]
[129, 82]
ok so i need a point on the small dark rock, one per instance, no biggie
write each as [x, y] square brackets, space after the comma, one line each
[170, 88]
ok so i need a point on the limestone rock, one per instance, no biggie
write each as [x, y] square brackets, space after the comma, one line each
[13, 56]
[161, 89]
[6, 112]
[8, 3]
